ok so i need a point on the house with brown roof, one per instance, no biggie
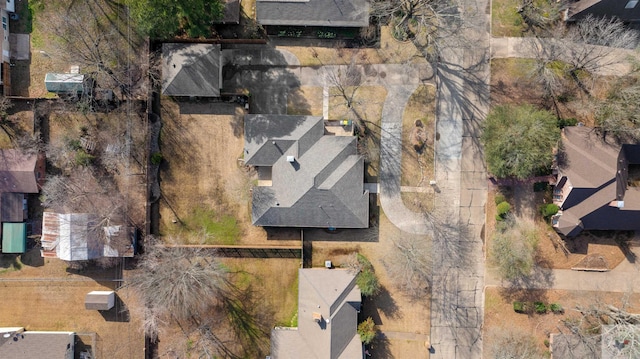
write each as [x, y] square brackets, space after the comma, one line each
[598, 183]
[20, 174]
[328, 305]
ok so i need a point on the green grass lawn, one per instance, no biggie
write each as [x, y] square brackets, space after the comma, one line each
[206, 226]
[505, 19]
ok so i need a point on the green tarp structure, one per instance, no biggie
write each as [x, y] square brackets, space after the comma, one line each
[14, 237]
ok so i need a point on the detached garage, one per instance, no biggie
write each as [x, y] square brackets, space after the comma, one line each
[100, 300]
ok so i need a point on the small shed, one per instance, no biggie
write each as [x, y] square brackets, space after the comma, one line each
[64, 83]
[100, 300]
[14, 237]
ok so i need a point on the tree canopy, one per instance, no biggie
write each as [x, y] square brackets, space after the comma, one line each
[519, 140]
[167, 18]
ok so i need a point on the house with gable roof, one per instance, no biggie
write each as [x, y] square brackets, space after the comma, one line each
[598, 183]
[306, 178]
[328, 305]
[191, 70]
[324, 13]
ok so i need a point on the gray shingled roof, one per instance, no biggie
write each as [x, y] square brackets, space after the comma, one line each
[324, 187]
[11, 207]
[191, 70]
[37, 345]
[335, 13]
[332, 294]
[589, 164]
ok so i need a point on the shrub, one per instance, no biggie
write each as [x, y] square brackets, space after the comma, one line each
[549, 210]
[83, 158]
[499, 198]
[503, 208]
[367, 331]
[519, 307]
[556, 308]
[156, 158]
[541, 308]
[546, 343]
[564, 122]
[366, 280]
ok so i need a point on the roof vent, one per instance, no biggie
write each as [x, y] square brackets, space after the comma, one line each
[291, 159]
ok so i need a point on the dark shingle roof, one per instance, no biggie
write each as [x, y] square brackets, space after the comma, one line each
[323, 187]
[335, 13]
[589, 164]
[191, 70]
[332, 294]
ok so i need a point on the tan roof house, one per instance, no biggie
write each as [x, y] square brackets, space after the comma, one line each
[598, 183]
[328, 305]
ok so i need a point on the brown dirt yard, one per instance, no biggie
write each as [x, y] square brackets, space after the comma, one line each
[206, 189]
[418, 127]
[44, 295]
[499, 313]
[391, 310]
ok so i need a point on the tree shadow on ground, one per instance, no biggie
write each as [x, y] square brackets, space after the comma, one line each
[32, 258]
[380, 347]
[383, 303]
[370, 234]
[119, 312]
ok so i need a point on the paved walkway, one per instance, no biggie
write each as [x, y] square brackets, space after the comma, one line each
[613, 62]
[390, 160]
[403, 336]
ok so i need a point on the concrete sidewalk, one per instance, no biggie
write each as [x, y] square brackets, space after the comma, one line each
[613, 61]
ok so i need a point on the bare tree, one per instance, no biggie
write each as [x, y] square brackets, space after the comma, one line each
[192, 289]
[96, 35]
[513, 250]
[619, 113]
[63, 191]
[424, 21]
[29, 143]
[571, 52]
[409, 265]
[605, 328]
[513, 344]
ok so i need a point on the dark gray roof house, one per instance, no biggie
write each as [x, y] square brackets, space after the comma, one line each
[328, 305]
[598, 185]
[305, 178]
[333, 13]
[191, 70]
[625, 10]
